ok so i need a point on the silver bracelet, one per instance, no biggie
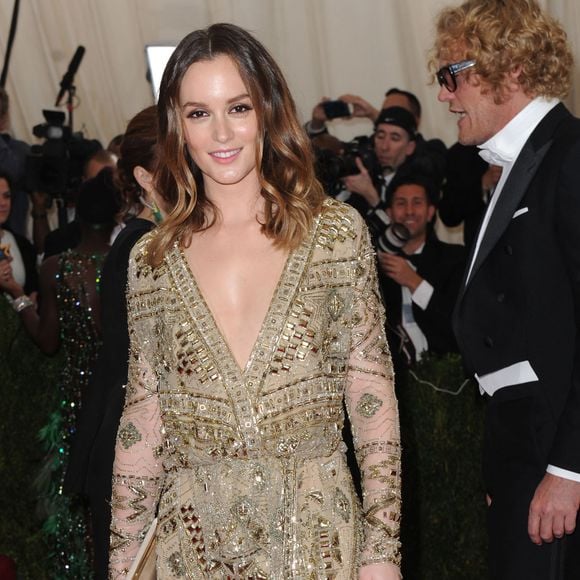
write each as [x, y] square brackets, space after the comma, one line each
[22, 302]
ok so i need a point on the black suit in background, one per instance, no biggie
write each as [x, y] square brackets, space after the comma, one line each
[442, 265]
[91, 460]
[522, 303]
[461, 194]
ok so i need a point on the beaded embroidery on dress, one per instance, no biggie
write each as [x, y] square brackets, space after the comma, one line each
[65, 527]
[247, 465]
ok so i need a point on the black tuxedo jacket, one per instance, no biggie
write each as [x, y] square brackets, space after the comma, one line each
[522, 300]
[442, 265]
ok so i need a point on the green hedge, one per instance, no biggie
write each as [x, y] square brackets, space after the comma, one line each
[27, 389]
[443, 526]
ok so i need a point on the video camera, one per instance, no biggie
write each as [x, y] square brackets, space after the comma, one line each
[56, 166]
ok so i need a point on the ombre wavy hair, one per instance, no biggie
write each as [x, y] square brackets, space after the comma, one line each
[292, 194]
[505, 36]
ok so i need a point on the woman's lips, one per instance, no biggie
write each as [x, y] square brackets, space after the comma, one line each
[225, 156]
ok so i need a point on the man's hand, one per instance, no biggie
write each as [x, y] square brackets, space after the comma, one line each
[362, 184]
[397, 268]
[554, 509]
[360, 107]
[319, 119]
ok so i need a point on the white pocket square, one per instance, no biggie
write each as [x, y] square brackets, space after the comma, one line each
[520, 211]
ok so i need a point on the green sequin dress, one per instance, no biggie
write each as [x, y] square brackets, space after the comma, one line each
[65, 528]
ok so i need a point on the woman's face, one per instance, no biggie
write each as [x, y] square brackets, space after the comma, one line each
[221, 128]
[5, 200]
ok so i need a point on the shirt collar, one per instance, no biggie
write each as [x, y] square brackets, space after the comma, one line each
[505, 146]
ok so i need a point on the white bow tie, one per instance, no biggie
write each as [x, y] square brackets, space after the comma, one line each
[494, 158]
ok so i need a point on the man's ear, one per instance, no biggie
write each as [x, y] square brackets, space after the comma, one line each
[411, 147]
[513, 78]
[431, 209]
[144, 178]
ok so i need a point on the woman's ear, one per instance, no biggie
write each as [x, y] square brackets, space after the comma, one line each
[144, 178]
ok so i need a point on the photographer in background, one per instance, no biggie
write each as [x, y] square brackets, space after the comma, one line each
[393, 145]
[432, 151]
[51, 233]
[68, 235]
[420, 284]
[54, 171]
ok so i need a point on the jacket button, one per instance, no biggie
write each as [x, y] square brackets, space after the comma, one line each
[509, 250]
[488, 341]
[500, 297]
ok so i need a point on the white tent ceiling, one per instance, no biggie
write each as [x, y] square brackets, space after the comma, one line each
[325, 47]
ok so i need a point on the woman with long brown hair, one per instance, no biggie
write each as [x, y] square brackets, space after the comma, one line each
[253, 314]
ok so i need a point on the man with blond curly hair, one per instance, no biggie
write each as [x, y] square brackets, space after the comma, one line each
[503, 66]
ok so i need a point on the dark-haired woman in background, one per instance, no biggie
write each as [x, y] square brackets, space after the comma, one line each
[69, 317]
[17, 256]
[253, 313]
[91, 464]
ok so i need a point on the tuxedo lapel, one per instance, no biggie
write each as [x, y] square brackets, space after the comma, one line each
[512, 193]
[516, 186]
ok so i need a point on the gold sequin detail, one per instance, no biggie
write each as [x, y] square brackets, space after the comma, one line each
[253, 481]
[368, 405]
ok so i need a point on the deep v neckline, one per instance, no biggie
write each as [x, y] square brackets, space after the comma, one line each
[214, 359]
[200, 299]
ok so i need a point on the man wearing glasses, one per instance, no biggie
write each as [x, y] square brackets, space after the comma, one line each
[503, 65]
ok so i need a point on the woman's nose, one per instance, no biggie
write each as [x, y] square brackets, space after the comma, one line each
[222, 130]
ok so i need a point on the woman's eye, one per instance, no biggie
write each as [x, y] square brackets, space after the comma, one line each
[241, 108]
[196, 114]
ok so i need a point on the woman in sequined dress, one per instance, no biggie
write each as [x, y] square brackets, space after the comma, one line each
[91, 460]
[69, 318]
[253, 314]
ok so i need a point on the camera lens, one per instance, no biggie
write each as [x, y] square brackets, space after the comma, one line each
[393, 238]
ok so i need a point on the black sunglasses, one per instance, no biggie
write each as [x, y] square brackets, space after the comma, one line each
[447, 75]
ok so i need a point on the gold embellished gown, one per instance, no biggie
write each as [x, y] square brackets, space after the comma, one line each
[246, 467]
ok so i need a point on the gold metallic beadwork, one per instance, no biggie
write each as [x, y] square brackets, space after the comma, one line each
[247, 466]
[368, 405]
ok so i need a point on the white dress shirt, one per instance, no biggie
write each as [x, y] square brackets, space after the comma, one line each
[421, 297]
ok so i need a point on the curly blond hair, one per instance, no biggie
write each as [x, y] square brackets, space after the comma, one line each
[505, 36]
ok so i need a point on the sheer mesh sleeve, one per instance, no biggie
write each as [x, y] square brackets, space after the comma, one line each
[137, 470]
[372, 408]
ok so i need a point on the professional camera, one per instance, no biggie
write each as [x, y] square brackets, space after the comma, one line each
[56, 166]
[332, 167]
[388, 236]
